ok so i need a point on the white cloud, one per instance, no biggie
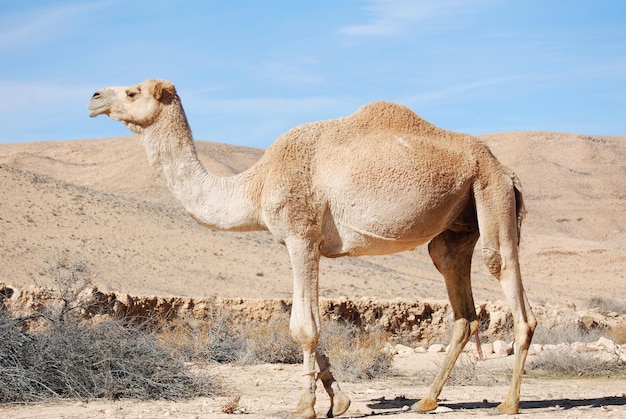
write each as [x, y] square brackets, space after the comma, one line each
[393, 17]
[459, 89]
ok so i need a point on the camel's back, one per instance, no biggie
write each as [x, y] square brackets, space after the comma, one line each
[377, 131]
[393, 118]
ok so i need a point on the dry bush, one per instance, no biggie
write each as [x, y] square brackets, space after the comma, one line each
[214, 339]
[77, 358]
[607, 305]
[564, 333]
[355, 354]
[565, 362]
[68, 356]
[269, 342]
[232, 406]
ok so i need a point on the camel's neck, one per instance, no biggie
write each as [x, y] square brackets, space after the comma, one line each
[221, 203]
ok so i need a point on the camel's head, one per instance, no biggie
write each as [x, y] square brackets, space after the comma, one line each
[136, 106]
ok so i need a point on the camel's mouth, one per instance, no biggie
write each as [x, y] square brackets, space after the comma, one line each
[98, 105]
[95, 111]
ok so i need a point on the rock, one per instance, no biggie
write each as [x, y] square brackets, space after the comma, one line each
[403, 349]
[535, 348]
[442, 409]
[497, 322]
[501, 348]
[606, 344]
[436, 348]
[471, 347]
[420, 350]
[588, 323]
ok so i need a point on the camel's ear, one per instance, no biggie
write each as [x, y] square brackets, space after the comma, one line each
[163, 90]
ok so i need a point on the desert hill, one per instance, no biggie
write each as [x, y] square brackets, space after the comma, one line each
[99, 202]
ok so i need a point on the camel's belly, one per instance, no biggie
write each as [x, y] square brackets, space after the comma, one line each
[384, 227]
[356, 242]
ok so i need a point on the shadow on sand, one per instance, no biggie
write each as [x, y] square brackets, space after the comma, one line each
[383, 406]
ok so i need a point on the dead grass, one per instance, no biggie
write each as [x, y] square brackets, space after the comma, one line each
[268, 342]
[565, 333]
[607, 305]
[355, 354]
[232, 406]
[214, 339]
[567, 363]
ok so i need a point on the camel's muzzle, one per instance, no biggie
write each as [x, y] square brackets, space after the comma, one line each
[99, 104]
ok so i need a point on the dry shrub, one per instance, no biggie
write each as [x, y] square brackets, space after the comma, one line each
[607, 305]
[564, 333]
[269, 342]
[77, 358]
[214, 339]
[355, 354]
[231, 406]
[565, 362]
[67, 355]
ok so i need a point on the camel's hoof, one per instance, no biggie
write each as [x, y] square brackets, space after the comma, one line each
[305, 409]
[341, 403]
[506, 408]
[424, 405]
[303, 415]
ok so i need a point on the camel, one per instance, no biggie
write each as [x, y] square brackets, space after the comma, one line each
[380, 181]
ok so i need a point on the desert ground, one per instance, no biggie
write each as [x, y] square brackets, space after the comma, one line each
[98, 201]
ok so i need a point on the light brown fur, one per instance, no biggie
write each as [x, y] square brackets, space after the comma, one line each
[382, 180]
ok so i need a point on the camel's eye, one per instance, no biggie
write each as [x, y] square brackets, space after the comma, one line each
[131, 94]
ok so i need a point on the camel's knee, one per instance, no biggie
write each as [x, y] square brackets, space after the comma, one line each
[464, 329]
[524, 333]
[306, 338]
[493, 260]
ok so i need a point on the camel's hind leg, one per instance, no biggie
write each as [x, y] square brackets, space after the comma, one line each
[499, 211]
[452, 254]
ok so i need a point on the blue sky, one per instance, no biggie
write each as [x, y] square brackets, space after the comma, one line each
[248, 71]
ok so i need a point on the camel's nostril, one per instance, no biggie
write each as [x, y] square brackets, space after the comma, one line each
[96, 95]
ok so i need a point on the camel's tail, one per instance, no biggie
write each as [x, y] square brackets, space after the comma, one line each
[519, 203]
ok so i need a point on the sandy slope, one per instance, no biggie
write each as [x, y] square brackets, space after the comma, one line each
[99, 201]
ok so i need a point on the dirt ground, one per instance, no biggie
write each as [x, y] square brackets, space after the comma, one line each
[270, 391]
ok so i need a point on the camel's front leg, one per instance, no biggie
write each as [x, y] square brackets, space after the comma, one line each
[339, 402]
[305, 318]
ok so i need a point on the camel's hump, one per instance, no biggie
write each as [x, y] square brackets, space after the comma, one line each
[382, 116]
